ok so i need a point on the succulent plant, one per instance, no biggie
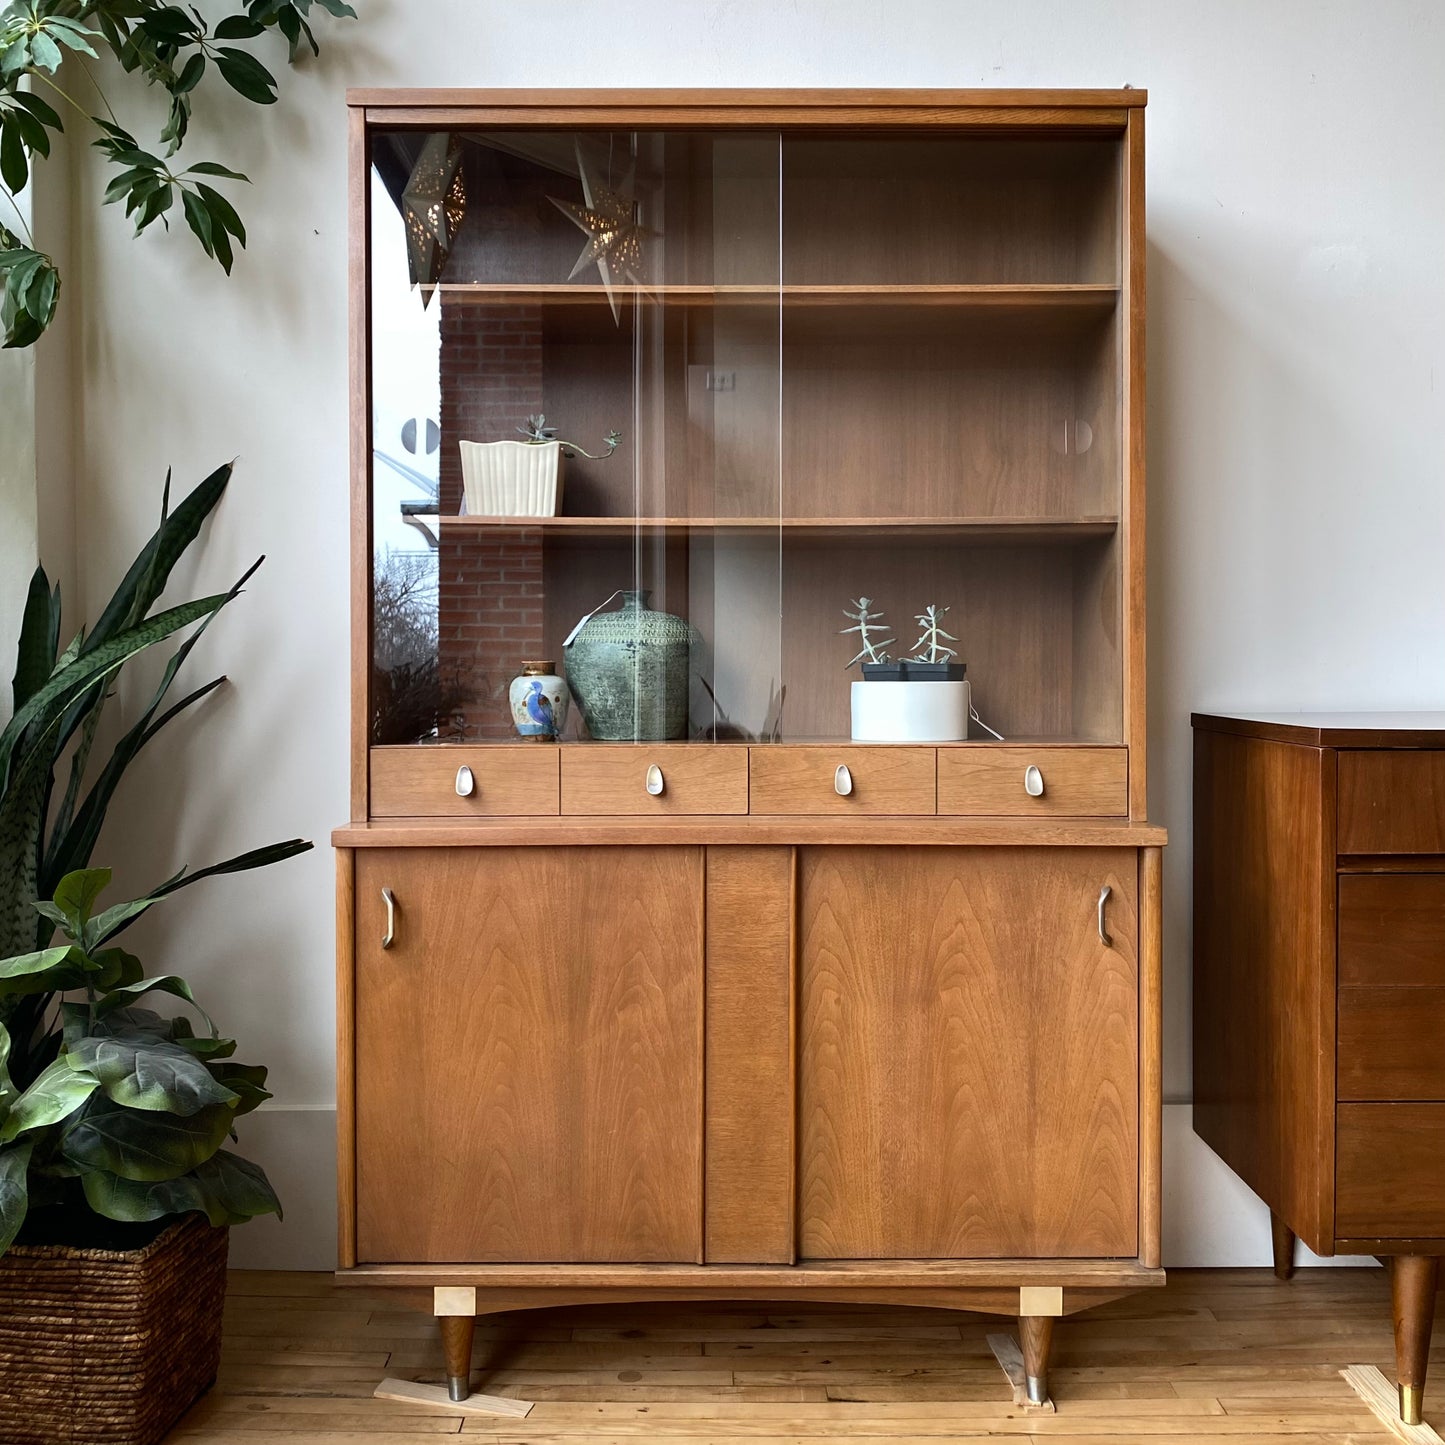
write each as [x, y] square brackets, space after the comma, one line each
[866, 622]
[536, 431]
[929, 647]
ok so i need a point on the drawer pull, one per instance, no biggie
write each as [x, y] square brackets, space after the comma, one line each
[842, 780]
[655, 782]
[1104, 937]
[1033, 782]
[389, 898]
[466, 784]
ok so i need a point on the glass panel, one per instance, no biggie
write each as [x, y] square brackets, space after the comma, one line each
[583, 329]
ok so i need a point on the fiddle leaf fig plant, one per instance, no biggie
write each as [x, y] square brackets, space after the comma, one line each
[44, 42]
[127, 1119]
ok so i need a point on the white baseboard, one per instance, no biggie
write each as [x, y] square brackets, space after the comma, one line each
[1211, 1220]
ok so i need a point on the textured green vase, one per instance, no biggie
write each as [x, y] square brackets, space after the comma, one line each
[628, 670]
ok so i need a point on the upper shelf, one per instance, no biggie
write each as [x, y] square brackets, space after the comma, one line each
[983, 529]
[1086, 296]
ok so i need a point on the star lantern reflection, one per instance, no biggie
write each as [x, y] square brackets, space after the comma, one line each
[433, 204]
[614, 239]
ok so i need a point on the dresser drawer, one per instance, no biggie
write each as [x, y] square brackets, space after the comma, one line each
[1392, 801]
[1390, 1171]
[807, 780]
[1389, 1044]
[1392, 930]
[607, 779]
[505, 780]
[1077, 782]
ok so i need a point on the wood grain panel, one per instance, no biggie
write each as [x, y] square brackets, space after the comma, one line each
[345, 1058]
[1264, 977]
[968, 1084]
[749, 1122]
[1391, 1180]
[802, 779]
[1392, 930]
[1078, 782]
[1151, 1053]
[1392, 801]
[1134, 374]
[601, 779]
[1389, 1043]
[532, 1047]
[507, 781]
[358, 292]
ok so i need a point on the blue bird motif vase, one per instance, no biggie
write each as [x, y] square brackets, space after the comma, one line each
[539, 700]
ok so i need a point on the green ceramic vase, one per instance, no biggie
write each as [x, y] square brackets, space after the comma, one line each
[628, 670]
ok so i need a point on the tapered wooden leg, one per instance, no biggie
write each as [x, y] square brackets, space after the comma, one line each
[1283, 1238]
[1412, 1287]
[1036, 1335]
[457, 1331]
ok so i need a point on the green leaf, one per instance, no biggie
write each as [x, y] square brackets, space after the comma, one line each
[226, 1188]
[14, 1191]
[237, 27]
[191, 73]
[211, 168]
[118, 970]
[39, 638]
[221, 209]
[246, 1081]
[256, 858]
[44, 52]
[53, 1097]
[240, 1186]
[198, 218]
[150, 1074]
[35, 136]
[37, 107]
[109, 923]
[143, 1144]
[14, 168]
[8, 1090]
[51, 970]
[125, 995]
[246, 75]
[71, 34]
[76, 893]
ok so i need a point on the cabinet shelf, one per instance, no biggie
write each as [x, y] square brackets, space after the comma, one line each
[973, 529]
[1010, 296]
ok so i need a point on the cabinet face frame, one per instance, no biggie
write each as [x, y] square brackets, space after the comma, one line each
[1113, 113]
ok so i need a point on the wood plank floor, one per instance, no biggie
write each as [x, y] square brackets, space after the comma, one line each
[1216, 1355]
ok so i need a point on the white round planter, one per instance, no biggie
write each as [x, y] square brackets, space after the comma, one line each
[512, 479]
[910, 712]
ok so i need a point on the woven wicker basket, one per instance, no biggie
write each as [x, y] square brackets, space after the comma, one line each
[108, 1348]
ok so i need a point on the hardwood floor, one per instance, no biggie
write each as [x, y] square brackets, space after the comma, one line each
[1221, 1354]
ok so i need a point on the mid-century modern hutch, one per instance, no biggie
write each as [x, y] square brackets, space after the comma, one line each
[692, 1018]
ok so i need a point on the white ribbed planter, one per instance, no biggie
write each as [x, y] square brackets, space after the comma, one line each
[512, 479]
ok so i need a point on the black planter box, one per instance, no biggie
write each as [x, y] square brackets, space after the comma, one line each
[935, 671]
[883, 671]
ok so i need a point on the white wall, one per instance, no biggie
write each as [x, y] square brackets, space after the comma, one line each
[1296, 372]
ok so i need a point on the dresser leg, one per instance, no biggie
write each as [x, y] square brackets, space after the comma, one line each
[1413, 1278]
[457, 1331]
[1036, 1335]
[1283, 1238]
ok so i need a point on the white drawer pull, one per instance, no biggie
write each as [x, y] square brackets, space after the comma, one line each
[655, 783]
[1033, 782]
[466, 784]
[842, 780]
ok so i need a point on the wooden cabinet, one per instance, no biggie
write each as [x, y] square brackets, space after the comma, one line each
[1319, 986]
[532, 1033]
[968, 1085]
[740, 1007]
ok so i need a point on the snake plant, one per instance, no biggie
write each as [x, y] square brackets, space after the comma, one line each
[48, 829]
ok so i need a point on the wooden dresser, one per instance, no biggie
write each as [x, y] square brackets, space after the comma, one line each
[747, 1009]
[1319, 987]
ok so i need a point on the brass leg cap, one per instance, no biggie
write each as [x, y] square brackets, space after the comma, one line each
[1410, 1400]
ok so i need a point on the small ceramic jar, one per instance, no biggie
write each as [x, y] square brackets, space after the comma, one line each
[539, 701]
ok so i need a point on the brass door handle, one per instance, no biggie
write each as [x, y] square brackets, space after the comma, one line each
[1104, 937]
[389, 898]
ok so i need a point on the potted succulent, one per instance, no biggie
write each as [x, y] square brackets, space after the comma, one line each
[522, 479]
[115, 1190]
[919, 699]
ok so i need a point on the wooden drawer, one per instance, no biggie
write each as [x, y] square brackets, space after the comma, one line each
[1390, 1171]
[794, 780]
[1392, 801]
[421, 782]
[1389, 1044]
[1392, 930]
[1078, 782]
[606, 779]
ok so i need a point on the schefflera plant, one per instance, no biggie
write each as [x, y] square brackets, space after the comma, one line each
[128, 1118]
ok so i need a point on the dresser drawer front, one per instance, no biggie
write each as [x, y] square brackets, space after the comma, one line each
[505, 780]
[1392, 930]
[1392, 801]
[1390, 1171]
[611, 779]
[1389, 1044]
[798, 780]
[1076, 782]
